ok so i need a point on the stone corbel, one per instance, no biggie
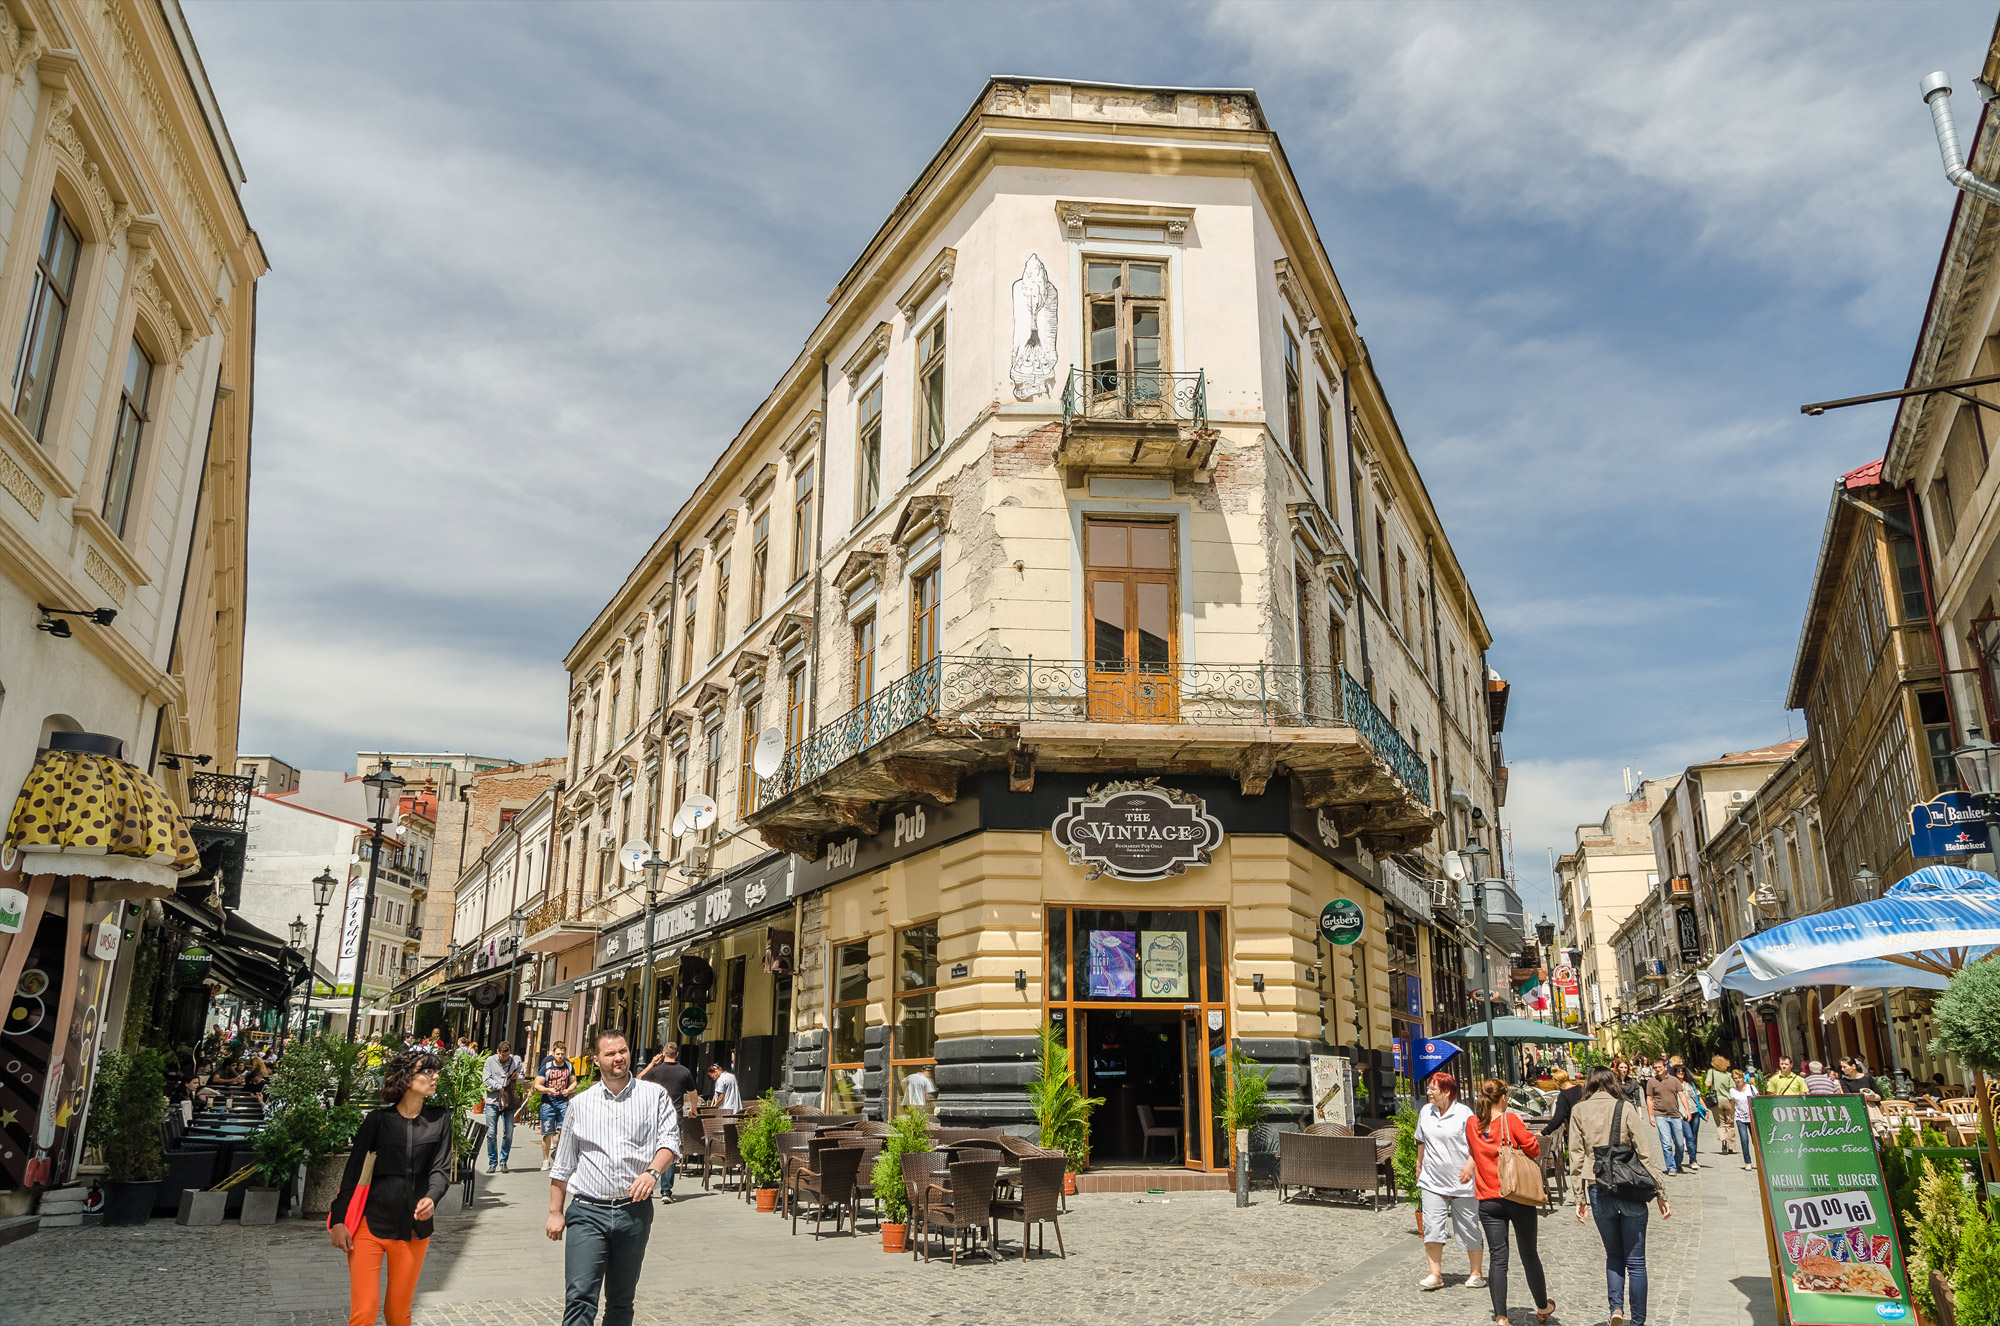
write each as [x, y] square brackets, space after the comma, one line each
[760, 484]
[936, 273]
[803, 442]
[1253, 775]
[24, 45]
[934, 780]
[1021, 769]
[859, 815]
[722, 530]
[1294, 293]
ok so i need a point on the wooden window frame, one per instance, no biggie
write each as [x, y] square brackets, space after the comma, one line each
[804, 492]
[719, 631]
[897, 1062]
[1295, 402]
[1122, 304]
[835, 1006]
[924, 617]
[760, 561]
[864, 659]
[1326, 456]
[746, 773]
[691, 604]
[1170, 576]
[795, 706]
[868, 451]
[125, 451]
[45, 287]
[928, 436]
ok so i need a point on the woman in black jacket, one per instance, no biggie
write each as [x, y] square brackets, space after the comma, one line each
[411, 1142]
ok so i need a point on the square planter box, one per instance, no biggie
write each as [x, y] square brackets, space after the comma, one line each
[201, 1208]
[260, 1206]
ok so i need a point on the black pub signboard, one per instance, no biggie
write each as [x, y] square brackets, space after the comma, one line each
[1137, 831]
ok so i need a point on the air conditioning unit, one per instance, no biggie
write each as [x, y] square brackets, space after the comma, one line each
[606, 840]
[1739, 798]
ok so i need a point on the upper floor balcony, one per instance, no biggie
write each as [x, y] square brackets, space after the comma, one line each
[1143, 423]
[916, 738]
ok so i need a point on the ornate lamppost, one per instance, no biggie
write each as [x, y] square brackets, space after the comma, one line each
[382, 789]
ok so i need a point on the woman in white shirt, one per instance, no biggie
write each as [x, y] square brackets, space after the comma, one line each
[1739, 1096]
[1444, 1177]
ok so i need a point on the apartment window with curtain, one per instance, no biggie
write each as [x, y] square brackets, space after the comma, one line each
[795, 707]
[720, 635]
[868, 451]
[1295, 424]
[131, 432]
[746, 773]
[802, 520]
[760, 560]
[913, 1024]
[1382, 561]
[846, 1062]
[48, 313]
[930, 392]
[923, 618]
[611, 732]
[687, 635]
[864, 659]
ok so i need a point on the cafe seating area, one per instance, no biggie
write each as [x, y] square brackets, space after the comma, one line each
[203, 1143]
[1333, 1158]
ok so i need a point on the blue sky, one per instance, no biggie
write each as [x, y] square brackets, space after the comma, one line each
[532, 266]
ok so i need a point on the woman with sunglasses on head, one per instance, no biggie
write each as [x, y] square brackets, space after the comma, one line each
[411, 1142]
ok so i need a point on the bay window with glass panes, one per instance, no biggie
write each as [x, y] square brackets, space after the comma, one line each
[847, 1048]
[913, 1020]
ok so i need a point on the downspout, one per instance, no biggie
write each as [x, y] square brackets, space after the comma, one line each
[1437, 661]
[1937, 95]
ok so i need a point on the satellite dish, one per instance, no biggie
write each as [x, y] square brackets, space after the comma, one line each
[696, 813]
[634, 855]
[1454, 867]
[770, 751]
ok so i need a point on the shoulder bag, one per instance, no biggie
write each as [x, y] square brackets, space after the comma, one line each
[1520, 1177]
[1616, 1167]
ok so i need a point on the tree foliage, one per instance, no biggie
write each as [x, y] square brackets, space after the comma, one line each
[1967, 1017]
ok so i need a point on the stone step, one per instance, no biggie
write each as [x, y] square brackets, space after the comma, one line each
[1145, 1180]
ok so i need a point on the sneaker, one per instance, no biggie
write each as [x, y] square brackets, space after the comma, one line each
[667, 1197]
[1617, 1318]
[503, 1167]
[1749, 1167]
[1476, 1282]
[1430, 1282]
[1691, 1165]
[491, 1168]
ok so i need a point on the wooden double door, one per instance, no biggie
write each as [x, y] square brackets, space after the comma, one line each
[1131, 593]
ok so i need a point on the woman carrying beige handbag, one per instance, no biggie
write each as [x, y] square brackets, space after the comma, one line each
[1508, 1185]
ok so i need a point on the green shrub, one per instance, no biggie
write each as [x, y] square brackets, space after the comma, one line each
[1967, 1017]
[103, 1099]
[1899, 1173]
[1246, 1100]
[909, 1134]
[1944, 1209]
[1406, 1154]
[461, 1088]
[1060, 1109]
[1919, 1271]
[757, 1141]
[132, 1136]
[1975, 1285]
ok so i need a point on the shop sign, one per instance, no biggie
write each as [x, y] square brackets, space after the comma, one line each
[1827, 1212]
[1404, 889]
[1137, 831]
[724, 905]
[903, 833]
[694, 1021]
[1947, 825]
[1687, 932]
[1333, 1089]
[13, 911]
[1341, 921]
[192, 967]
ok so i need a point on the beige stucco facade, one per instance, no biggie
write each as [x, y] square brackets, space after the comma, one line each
[1610, 873]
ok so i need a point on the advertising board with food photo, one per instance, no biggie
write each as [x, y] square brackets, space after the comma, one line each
[1828, 1211]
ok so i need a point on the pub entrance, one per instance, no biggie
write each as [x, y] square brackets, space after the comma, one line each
[1136, 1061]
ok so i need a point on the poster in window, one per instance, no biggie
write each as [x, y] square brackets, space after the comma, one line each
[1164, 964]
[1114, 964]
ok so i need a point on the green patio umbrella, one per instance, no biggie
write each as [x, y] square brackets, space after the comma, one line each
[1515, 1031]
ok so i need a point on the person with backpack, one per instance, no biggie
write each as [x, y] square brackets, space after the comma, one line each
[1615, 1176]
[555, 1081]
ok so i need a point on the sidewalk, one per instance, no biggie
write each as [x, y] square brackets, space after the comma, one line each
[1189, 1257]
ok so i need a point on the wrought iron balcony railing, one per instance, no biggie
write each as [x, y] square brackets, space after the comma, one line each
[1145, 396]
[976, 691]
[219, 801]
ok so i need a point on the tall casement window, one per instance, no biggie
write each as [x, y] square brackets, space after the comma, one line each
[1938, 740]
[653, 803]
[1295, 401]
[687, 635]
[864, 659]
[930, 392]
[846, 1064]
[1909, 580]
[760, 560]
[868, 451]
[711, 771]
[1304, 621]
[131, 432]
[1326, 453]
[611, 733]
[795, 706]
[746, 773]
[1130, 591]
[913, 1024]
[1128, 319]
[923, 618]
[1382, 562]
[1947, 517]
[802, 521]
[680, 782]
[48, 311]
[1403, 591]
[1336, 638]
[720, 635]
[590, 748]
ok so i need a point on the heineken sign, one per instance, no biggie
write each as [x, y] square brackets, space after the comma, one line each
[1137, 831]
[1340, 921]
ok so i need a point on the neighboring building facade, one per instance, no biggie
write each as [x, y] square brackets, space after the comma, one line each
[267, 774]
[1610, 873]
[1083, 480]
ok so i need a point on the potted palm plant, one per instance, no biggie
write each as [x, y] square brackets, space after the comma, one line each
[909, 1134]
[132, 1159]
[1245, 1105]
[757, 1142]
[1061, 1111]
[312, 1119]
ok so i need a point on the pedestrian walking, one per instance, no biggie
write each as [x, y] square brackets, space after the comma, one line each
[1785, 1082]
[409, 1141]
[499, 1077]
[1663, 1111]
[1602, 1123]
[1693, 1111]
[726, 1094]
[620, 1137]
[1568, 1093]
[1855, 1080]
[555, 1080]
[1741, 1092]
[1444, 1178]
[1819, 1082]
[1716, 1084]
[670, 1075]
[919, 1089]
[1493, 1129]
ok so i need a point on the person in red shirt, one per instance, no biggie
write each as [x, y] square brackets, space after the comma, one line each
[1492, 1127]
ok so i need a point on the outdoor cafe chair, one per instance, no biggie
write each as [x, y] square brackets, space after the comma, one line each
[920, 1170]
[830, 1179]
[965, 1209]
[1040, 1202]
[869, 1149]
[721, 1140]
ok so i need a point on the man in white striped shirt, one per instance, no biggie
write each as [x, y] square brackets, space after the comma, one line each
[619, 1137]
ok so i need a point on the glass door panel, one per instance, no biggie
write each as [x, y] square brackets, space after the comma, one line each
[1194, 1136]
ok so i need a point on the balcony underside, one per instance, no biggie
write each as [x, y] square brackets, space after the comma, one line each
[1334, 765]
[1136, 449]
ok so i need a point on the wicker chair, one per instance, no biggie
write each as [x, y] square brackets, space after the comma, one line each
[830, 1179]
[1328, 1163]
[869, 1148]
[920, 1170]
[964, 1210]
[1040, 1202]
[719, 1142]
[1329, 1130]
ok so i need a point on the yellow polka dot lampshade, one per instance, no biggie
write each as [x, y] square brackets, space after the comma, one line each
[94, 815]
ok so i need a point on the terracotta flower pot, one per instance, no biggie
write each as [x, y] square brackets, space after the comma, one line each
[895, 1238]
[1069, 1183]
[767, 1200]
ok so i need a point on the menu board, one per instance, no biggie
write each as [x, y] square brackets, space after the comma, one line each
[1827, 1210]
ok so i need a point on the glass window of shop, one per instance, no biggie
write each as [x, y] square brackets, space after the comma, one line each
[1406, 989]
[913, 1026]
[845, 1063]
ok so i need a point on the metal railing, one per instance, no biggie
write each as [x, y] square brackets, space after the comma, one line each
[1146, 395]
[219, 801]
[977, 691]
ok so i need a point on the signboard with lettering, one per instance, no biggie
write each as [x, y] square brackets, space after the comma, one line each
[1686, 932]
[1341, 921]
[904, 832]
[1137, 831]
[1831, 1229]
[726, 904]
[1332, 1089]
[1948, 825]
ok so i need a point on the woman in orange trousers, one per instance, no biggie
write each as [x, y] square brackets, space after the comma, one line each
[411, 1142]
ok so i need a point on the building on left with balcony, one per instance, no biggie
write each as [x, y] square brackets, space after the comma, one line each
[128, 274]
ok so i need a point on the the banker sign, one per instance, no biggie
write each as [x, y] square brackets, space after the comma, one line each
[1947, 826]
[1137, 831]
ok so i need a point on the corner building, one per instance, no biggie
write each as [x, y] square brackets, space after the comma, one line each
[1108, 635]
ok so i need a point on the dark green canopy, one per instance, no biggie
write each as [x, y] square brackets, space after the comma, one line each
[1514, 1030]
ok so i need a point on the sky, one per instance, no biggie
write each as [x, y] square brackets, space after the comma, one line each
[532, 266]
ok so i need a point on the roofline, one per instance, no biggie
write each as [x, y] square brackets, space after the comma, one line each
[1794, 698]
[285, 799]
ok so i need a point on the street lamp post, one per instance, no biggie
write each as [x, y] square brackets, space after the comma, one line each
[652, 865]
[1545, 936]
[323, 887]
[517, 926]
[293, 949]
[382, 787]
[1478, 884]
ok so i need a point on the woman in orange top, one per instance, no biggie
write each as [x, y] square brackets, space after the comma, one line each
[1492, 1127]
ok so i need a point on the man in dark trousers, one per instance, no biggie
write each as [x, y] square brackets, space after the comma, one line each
[676, 1080]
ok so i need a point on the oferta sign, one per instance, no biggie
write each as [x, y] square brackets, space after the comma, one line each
[1827, 1212]
[1137, 831]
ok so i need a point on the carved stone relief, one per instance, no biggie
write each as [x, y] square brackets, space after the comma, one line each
[1034, 362]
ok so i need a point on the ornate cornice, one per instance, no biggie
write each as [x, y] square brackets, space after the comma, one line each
[922, 512]
[936, 273]
[1294, 293]
[1077, 216]
[872, 347]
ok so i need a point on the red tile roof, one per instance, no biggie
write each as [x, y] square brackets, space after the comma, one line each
[1866, 477]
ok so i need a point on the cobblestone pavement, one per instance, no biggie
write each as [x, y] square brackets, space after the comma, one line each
[1188, 1257]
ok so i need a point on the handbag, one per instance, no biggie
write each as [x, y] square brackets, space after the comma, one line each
[1616, 1167]
[1520, 1177]
[357, 1205]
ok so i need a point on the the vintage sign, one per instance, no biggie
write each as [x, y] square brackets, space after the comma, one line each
[1137, 831]
[1827, 1213]
[1341, 921]
[1948, 825]
[1687, 932]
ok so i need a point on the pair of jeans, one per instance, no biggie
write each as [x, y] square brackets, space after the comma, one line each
[603, 1247]
[405, 1258]
[1495, 1215]
[1622, 1226]
[1743, 1136]
[499, 1133]
[1691, 1137]
[1672, 1145]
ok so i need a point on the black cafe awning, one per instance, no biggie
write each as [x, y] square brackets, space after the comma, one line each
[246, 959]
